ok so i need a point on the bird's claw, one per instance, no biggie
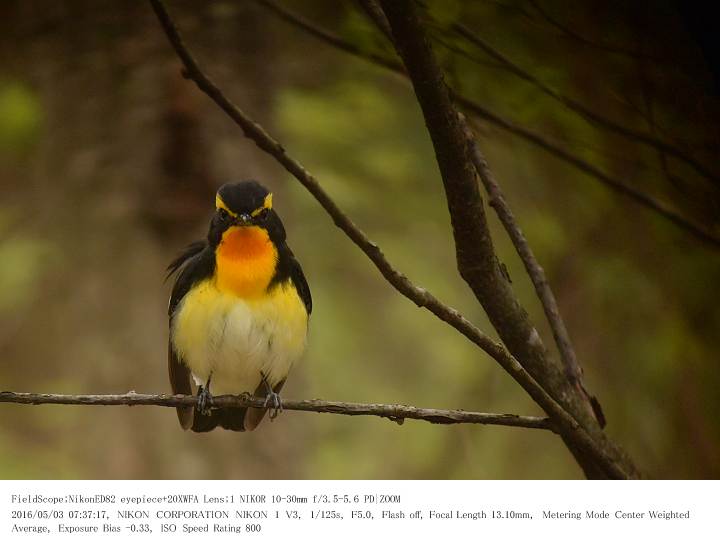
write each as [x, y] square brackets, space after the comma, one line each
[274, 402]
[205, 401]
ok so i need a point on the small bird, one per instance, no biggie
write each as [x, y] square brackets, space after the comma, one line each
[238, 311]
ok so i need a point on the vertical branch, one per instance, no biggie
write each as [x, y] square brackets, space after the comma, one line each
[535, 271]
[476, 259]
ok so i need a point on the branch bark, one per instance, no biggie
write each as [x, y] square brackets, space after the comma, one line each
[604, 455]
[476, 259]
[472, 107]
[394, 412]
[497, 201]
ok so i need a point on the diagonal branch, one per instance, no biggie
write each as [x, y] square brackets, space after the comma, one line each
[691, 226]
[394, 412]
[421, 297]
[321, 34]
[569, 33]
[532, 266]
[476, 259]
[377, 16]
[496, 199]
[697, 230]
[583, 111]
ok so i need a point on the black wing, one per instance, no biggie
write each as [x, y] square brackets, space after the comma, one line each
[196, 263]
[193, 265]
[300, 282]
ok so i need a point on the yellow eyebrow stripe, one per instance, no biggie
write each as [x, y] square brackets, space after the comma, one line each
[267, 204]
[220, 204]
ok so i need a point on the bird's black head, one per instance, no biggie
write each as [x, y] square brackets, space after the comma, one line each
[242, 204]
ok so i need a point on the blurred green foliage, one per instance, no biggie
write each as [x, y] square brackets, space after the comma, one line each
[20, 117]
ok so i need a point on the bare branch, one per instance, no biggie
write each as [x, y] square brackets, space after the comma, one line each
[321, 34]
[496, 199]
[584, 112]
[648, 201]
[376, 15]
[472, 107]
[463, 53]
[476, 259]
[535, 271]
[604, 47]
[419, 296]
[394, 412]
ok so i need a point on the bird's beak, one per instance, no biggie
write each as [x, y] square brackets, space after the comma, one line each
[243, 220]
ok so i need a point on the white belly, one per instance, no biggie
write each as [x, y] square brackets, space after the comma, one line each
[236, 340]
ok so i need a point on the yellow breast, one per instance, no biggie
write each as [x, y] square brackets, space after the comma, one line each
[236, 340]
[245, 262]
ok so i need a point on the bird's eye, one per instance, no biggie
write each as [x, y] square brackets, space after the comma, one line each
[224, 215]
[263, 214]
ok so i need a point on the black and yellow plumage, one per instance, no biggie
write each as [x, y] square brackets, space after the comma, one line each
[238, 311]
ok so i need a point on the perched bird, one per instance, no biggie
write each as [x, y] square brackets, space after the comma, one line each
[238, 311]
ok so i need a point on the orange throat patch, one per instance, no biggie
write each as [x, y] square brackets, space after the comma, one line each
[245, 261]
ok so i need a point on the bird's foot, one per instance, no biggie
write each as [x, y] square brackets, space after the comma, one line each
[274, 402]
[205, 401]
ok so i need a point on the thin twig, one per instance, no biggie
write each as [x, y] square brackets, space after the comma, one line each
[472, 58]
[567, 32]
[321, 34]
[580, 109]
[419, 296]
[648, 201]
[377, 16]
[394, 412]
[472, 107]
[497, 201]
[536, 273]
